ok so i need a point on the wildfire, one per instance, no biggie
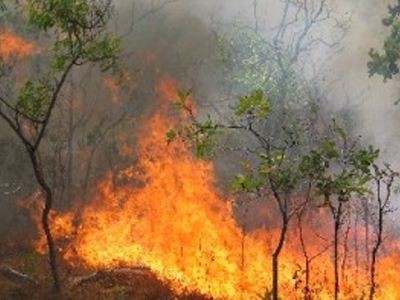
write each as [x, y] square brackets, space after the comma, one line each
[171, 217]
[175, 223]
[12, 45]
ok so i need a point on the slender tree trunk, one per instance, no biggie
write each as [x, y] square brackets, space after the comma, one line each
[366, 224]
[345, 251]
[337, 222]
[275, 257]
[71, 132]
[377, 244]
[306, 258]
[307, 291]
[356, 258]
[48, 203]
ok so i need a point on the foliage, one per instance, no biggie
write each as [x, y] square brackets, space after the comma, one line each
[386, 63]
[200, 134]
[255, 104]
[338, 168]
[34, 99]
[171, 135]
[79, 27]
[80, 38]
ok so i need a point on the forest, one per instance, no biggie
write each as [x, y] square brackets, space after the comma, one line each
[199, 149]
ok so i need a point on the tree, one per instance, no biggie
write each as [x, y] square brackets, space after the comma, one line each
[386, 63]
[78, 35]
[341, 169]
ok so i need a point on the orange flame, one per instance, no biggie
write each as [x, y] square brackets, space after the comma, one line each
[14, 46]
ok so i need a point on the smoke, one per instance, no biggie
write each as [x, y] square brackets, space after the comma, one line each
[369, 99]
[343, 78]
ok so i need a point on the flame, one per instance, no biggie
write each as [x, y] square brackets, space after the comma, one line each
[170, 216]
[14, 46]
[167, 88]
[176, 224]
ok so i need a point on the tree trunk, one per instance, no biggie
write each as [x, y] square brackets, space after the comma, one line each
[307, 289]
[356, 258]
[71, 133]
[345, 252]
[48, 203]
[337, 220]
[306, 257]
[377, 245]
[366, 227]
[275, 257]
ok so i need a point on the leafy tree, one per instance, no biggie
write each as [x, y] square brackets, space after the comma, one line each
[78, 34]
[386, 62]
[340, 169]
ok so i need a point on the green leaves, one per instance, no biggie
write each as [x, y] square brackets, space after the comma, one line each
[255, 104]
[339, 170]
[200, 134]
[102, 51]
[245, 183]
[364, 158]
[79, 27]
[328, 150]
[69, 16]
[275, 171]
[183, 96]
[34, 98]
[386, 63]
[171, 135]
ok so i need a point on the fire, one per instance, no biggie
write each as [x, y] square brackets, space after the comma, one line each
[170, 216]
[174, 221]
[167, 88]
[12, 45]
